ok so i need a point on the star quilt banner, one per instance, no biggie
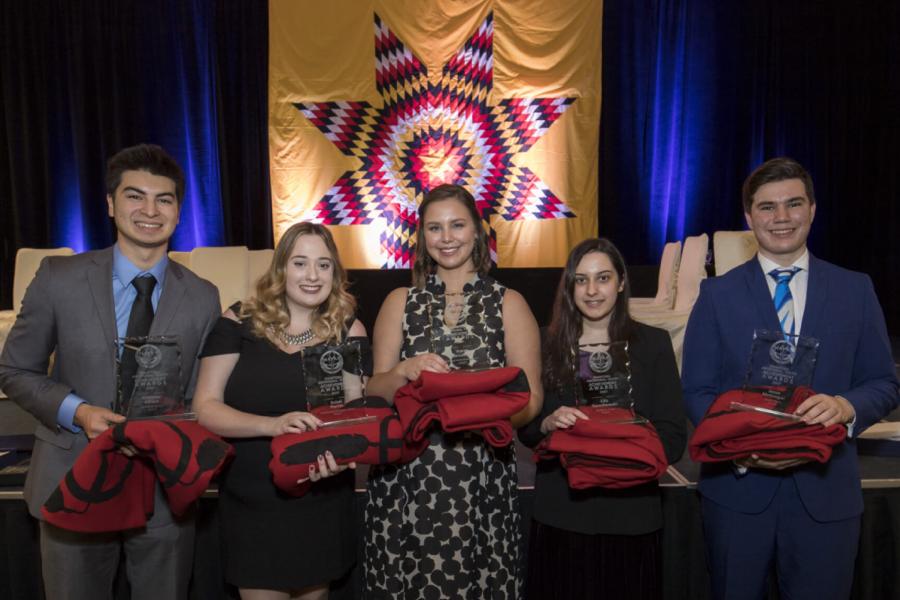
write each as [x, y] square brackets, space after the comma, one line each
[373, 103]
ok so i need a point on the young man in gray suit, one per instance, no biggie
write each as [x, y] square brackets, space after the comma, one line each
[79, 306]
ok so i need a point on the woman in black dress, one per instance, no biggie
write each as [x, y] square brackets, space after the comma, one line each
[447, 524]
[598, 543]
[250, 389]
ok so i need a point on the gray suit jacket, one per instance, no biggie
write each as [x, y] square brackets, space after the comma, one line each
[68, 308]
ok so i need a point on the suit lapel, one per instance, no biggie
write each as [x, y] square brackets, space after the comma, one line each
[173, 294]
[100, 283]
[816, 292]
[758, 291]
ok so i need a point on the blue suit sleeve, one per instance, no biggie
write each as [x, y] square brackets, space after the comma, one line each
[702, 353]
[874, 380]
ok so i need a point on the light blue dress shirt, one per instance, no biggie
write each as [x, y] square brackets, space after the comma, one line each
[123, 272]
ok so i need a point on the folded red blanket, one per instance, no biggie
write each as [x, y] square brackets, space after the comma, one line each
[108, 491]
[611, 449]
[727, 433]
[368, 442]
[479, 401]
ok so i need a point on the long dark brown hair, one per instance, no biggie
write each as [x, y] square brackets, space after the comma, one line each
[566, 327]
[481, 255]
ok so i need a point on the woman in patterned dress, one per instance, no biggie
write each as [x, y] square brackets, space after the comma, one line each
[447, 525]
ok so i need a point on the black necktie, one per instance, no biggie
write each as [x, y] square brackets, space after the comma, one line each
[138, 326]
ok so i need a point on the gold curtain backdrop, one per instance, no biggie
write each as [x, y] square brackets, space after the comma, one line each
[372, 103]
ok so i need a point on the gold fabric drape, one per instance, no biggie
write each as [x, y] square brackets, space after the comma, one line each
[372, 103]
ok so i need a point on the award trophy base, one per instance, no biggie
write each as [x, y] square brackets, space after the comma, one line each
[767, 411]
[613, 415]
[179, 417]
[342, 417]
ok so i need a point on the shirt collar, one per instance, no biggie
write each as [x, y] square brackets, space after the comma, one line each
[125, 271]
[768, 265]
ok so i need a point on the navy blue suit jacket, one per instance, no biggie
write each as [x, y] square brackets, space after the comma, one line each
[854, 361]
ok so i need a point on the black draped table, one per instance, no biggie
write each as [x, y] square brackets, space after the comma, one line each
[684, 569]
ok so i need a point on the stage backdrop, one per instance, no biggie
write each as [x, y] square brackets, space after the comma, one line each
[373, 103]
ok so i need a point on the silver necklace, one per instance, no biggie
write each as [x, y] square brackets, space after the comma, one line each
[298, 339]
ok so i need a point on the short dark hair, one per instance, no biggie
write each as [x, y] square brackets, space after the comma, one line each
[776, 169]
[481, 254]
[144, 157]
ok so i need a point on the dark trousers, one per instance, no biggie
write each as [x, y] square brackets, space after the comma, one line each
[813, 559]
[565, 565]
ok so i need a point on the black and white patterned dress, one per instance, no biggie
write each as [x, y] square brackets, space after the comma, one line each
[447, 525]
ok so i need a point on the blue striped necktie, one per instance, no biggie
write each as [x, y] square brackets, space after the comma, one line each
[784, 302]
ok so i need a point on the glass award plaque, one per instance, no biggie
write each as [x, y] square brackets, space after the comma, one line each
[603, 375]
[612, 415]
[458, 346]
[332, 374]
[451, 337]
[158, 391]
[779, 364]
[342, 416]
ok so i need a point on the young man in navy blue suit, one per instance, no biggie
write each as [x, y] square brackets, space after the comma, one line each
[800, 517]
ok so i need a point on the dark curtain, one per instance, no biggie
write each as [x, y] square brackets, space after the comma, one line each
[698, 93]
[695, 94]
[80, 80]
[242, 68]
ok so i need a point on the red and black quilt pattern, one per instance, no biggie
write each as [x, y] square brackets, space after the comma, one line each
[108, 491]
[373, 442]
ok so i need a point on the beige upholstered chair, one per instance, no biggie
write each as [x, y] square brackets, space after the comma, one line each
[732, 248]
[226, 267]
[259, 264]
[675, 322]
[690, 273]
[27, 262]
[182, 258]
[668, 274]
[232, 269]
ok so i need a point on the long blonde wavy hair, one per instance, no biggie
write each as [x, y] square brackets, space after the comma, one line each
[268, 311]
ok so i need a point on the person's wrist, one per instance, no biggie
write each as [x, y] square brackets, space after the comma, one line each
[400, 370]
[79, 417]
[848, 413]
[272, 427]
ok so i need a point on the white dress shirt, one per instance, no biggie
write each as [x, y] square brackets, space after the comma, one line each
[798, 284]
